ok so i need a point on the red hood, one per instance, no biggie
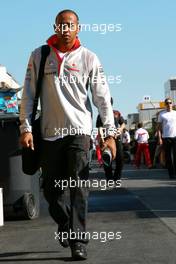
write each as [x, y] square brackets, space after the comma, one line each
[116, 113]
[54, 39]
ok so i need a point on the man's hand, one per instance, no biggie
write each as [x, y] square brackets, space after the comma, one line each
[118, 132]
[159, 133]
[26, 140]
[110, 143]
[160, 141]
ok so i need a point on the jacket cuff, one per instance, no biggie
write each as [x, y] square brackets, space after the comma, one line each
[25, 129]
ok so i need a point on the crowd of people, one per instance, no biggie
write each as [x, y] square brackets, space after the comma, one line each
[158, 149]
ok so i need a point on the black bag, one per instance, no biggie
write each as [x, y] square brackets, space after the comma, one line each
[31, 158]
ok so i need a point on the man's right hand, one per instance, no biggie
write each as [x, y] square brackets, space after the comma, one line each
[160, 141]
[110, 143]
[26, 140]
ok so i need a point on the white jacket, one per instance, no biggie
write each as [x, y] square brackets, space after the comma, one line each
[64, 99]
[141, 135]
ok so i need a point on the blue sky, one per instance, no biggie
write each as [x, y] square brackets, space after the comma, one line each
[143, 52]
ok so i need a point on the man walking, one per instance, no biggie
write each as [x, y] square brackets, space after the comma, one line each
[167, 136]
[66, 123]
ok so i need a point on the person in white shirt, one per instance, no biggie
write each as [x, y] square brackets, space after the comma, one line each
[142, 136]
[167, 135]
[125, 137]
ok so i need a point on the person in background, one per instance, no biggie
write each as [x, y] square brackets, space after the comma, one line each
[119, 124]
[159, 153]
[126, 139]
[66, 124]
[142, 136]
[91, 151]
[167, 135]
[98, 150]
[126, 145]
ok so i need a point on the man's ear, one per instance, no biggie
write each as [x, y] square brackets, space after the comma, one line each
[79, 27]
[54, 26]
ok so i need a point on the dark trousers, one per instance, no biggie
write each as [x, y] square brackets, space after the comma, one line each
[66, 159]
[118, 163]
[169, 145]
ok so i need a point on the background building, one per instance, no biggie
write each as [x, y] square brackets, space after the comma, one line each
[7, 81]
[132, 120]
[170, 89]
[148, 110]
[10, 93]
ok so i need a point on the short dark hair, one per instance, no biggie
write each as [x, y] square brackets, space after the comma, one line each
[167, 99]
[140, 125]
[67, 11]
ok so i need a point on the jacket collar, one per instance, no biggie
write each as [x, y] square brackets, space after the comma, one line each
[52, 41]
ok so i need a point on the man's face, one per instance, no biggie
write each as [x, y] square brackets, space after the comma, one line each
[168, 104]
[66, 27]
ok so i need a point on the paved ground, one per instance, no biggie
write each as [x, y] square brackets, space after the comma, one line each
[143, 210]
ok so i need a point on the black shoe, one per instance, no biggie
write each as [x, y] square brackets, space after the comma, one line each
[117, 176]
[78, 251]
[62, 240]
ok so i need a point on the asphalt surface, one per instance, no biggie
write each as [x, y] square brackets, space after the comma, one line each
[139, 217]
